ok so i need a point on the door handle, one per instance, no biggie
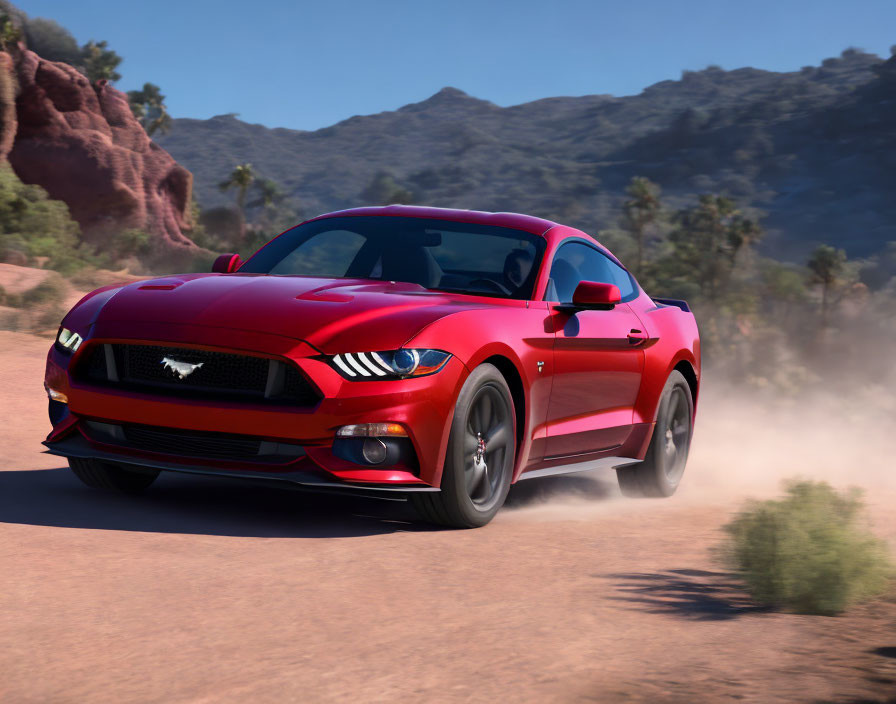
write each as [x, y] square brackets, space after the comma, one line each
[637, 337]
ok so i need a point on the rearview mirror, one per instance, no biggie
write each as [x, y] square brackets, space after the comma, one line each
[593, 295]
[226, 264]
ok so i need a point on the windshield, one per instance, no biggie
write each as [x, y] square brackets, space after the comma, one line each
[437, 254]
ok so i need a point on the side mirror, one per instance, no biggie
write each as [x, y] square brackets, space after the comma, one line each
[226, 264]
[592, 295]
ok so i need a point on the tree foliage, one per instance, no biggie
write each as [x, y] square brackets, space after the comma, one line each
[640, 210]
[32, 225]
[239, 179]
[100, 62]
[10, 32]
[52, 41]
[383, 190]
[269, 194]
[826, 267]
[706, 243]
[148, 106]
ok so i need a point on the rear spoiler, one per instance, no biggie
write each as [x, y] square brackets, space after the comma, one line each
[673, 302]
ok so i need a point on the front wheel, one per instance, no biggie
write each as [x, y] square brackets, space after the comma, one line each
[660, 472]
[106, 475]
[480, 455]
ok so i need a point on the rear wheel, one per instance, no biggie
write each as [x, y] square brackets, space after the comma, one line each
[106, 475]
[660, 472]
[480, 455]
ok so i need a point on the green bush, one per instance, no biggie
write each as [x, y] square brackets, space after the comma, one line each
[808, 552]
[51, 290]
[34, 225]
[127, 243]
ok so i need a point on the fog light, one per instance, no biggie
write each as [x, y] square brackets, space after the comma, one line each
[56, 395]
[374, 450]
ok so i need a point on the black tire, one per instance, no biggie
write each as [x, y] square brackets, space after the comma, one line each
[476, 476]
[105, 475]
[660, 472]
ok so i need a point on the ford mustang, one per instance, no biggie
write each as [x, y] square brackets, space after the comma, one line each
[440, 354]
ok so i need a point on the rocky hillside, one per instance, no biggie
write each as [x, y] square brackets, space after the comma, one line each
[81, 144]
[814, 149]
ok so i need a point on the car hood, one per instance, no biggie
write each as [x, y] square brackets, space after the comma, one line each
[333, 315]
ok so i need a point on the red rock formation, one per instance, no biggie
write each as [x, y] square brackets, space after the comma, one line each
[84, 147]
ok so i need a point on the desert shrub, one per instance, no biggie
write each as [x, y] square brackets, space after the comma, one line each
[49, 318]
[10, 320]
[122, 244]
[33, 225]
[39, 309]
[51, 290]
[808, 551]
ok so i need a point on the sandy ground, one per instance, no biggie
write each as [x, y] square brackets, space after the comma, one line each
[18, 279]
[207, 590]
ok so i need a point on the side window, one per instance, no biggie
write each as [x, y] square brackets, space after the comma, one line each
[623, 280]
[575, 262]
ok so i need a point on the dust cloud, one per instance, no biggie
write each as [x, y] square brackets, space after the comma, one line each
[746, 442]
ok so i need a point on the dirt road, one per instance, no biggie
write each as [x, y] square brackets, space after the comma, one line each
[207, 590]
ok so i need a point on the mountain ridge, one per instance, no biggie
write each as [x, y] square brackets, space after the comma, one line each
[763, 137]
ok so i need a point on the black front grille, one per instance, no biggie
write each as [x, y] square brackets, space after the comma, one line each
[192, 373]
[191, 444]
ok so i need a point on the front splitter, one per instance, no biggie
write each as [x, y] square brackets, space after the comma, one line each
[77, 446]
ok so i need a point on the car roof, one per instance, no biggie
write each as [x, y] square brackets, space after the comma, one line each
[518, 221]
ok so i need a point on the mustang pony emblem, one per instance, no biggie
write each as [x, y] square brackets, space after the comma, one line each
[182, 369]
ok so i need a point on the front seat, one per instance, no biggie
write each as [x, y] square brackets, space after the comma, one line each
[412, 264]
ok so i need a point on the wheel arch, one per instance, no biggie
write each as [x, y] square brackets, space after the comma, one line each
[686, 369]
[656, 373]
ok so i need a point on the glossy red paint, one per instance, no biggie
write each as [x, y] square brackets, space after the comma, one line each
[588, 382]
[593, 293]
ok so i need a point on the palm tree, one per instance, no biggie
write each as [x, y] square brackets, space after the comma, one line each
[641, 211]
[826, 266]
[240, 178]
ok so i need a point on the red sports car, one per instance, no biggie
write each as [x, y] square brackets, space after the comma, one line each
[442, 354]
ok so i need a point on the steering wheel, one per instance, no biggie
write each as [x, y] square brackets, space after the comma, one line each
[490, 284]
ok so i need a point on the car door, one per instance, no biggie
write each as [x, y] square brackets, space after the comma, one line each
[597, 360]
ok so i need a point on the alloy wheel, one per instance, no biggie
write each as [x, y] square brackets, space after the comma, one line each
[487, 437]
[677, 434]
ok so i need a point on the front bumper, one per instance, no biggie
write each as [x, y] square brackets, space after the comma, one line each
[424, 406]
[306, 476]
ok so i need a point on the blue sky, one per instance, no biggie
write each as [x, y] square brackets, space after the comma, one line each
[305, 65]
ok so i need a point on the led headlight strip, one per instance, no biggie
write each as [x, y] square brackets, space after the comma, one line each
[68, 341]
[396, 364]
[363, 363]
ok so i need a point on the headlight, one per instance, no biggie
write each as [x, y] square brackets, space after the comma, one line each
[396, 364]
[68, 341]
